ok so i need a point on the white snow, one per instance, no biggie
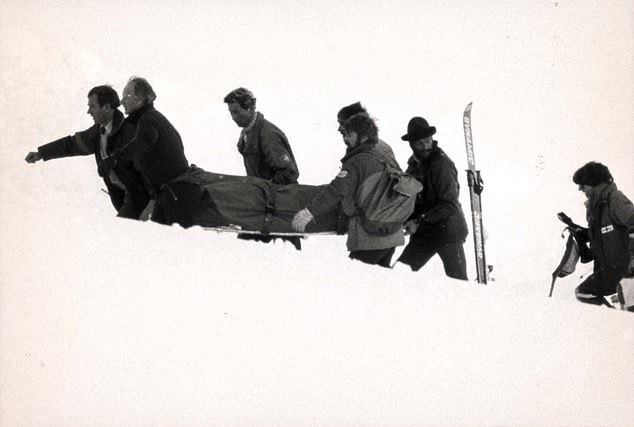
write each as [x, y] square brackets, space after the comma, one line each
[105, 321]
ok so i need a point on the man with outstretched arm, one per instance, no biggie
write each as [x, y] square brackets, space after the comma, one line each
[109, 133]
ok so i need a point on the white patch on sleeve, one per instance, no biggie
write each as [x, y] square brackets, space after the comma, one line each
[342, 174]
[607, 229]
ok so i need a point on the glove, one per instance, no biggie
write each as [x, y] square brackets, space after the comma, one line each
[580, 233]
[106, 164]
[410, 227]
[301, 220]
[33, 157]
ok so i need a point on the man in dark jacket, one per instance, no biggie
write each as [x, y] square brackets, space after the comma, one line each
[437, 225]
[610, 216]
[265, 149]
[156, 149]
[266, 152]
[109, 133]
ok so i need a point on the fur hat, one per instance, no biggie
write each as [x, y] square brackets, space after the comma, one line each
[418, 128]
[592, 174]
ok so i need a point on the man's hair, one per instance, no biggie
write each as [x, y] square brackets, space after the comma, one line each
[242, 96]
[592, 174]
[348, 111]
[143, 89]
[105, 95]
[363, 125]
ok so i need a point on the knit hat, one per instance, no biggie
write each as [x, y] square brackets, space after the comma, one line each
[592, 174]
[418, 128]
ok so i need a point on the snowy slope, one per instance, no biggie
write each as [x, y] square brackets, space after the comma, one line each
[114, 322]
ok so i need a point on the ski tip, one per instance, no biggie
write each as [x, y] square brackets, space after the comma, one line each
[468, 108]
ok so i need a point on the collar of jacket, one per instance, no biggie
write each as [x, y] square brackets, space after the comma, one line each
[599, 197]
[256, 118]
[362, 148]
[117, 122]
[136, 114]
[435, 153]
[600, 194]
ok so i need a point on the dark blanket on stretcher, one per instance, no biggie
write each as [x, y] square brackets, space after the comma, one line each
[210, 199]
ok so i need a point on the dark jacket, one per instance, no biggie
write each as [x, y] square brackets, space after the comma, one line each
[610, 214]
[358, 164]
[156, 149]
[267, 153]
[438, 209]
[88, 142]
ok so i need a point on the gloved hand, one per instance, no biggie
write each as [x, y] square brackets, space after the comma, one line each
[581, 233]
[301, 220]
[410, 227]
[106, 164]
[33, 157]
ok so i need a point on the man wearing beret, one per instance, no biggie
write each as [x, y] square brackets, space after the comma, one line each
[610, 231]
[437, 225]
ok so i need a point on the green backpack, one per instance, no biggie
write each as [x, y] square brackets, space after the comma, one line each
[386, 199]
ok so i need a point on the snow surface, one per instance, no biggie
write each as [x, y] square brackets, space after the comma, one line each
[105, 321]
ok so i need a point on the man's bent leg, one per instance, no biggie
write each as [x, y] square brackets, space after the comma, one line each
[380, 257]
[417, 253]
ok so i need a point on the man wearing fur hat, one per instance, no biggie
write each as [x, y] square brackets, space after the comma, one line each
[437, 225]
[610, 231]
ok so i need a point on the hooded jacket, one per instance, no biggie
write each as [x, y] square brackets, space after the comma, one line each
[358, 164]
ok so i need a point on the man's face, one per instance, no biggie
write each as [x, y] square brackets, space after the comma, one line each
[99, 114]
[242, 116]
[350, 138]
[587, 190]
[422, 147]
[129, 100]
[341, 130]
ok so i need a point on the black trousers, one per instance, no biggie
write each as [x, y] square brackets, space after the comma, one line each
[132, 208]
[381, 257]
[597, 285]
[420, 250]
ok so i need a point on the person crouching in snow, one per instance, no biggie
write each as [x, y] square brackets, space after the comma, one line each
[360, 136]
[610, 216]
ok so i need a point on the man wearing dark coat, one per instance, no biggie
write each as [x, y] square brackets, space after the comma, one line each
[437, 225]
[610, 231]
[109, 133]
[156, 149]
